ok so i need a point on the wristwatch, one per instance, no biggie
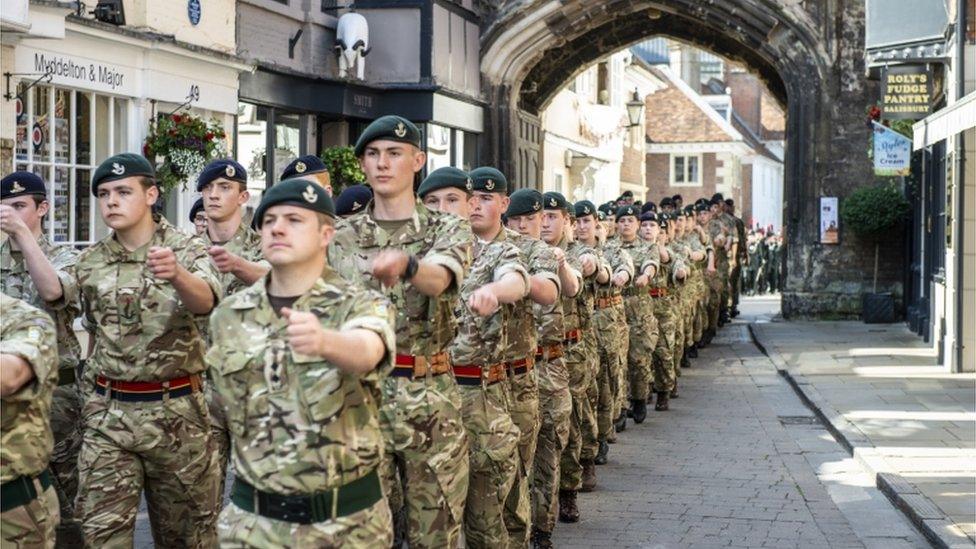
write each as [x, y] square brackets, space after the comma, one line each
[413, 264]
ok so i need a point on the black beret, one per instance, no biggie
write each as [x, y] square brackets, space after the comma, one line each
[488, 179]
[601, 215]
[524, 201]
[353, 199]
[606, 208]
[555, 201]
[667, 201]
[627, 194]
[445, 177]
[296, 191]
[717, 197]
[303, 165]
[702, 206]
[197, 207]
[121, 166]
[225, 168]
[584, 208]
[677, 197]
[689, 210]
[648, 216]
[391, 128]
[730, 202]
[627, 210]
[22, 184]
[649, 207]
[663, 219]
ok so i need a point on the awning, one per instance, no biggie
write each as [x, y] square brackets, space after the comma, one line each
[956, 118]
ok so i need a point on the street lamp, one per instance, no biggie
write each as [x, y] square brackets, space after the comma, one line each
[635, 108]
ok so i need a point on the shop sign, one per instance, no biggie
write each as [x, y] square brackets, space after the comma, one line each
[906, 92]
[892, 151]
[78, 72]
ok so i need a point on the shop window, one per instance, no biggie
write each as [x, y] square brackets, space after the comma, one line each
[252, 142]
[686, 170]
[62, 134]
[438, 147]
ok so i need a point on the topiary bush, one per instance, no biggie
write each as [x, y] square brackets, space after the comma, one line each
[872, 211]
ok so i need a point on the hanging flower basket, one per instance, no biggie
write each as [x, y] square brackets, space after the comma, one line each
[181, 145]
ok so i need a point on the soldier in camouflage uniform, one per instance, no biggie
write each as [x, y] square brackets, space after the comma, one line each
[418, 258]
[37, 271]
[28, 359]
[235, 250]
[496, 281]
[740, 255]
[309, 167]
[640, 317]
[146, 427]
[618, 268]
[302, 410]
[721, 229]
[541, 403]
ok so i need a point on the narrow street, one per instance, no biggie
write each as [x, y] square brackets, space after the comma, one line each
[737, 461]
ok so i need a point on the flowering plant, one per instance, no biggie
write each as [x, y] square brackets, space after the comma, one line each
[182, 144]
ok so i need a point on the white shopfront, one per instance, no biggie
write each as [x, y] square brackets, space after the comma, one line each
[101, 91]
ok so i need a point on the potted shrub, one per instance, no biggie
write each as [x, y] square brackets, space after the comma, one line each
[343, 168]
[871, 212]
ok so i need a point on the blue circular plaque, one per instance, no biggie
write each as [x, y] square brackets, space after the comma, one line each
[193, 11]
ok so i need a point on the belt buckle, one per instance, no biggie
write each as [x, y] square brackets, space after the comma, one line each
[335, 502]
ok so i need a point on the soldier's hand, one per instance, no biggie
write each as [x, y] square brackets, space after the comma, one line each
[389, 266]
[225, 261]
[11, 223]
[642, 280]
[620, 279]
[711, 269]
[589, 263]
[681, 274]
[483, 302]
[305, 333]
[162, 262]
[560, 255]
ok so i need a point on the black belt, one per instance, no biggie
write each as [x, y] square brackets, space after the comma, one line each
[21, 491]
[66, 376]
[350, 498]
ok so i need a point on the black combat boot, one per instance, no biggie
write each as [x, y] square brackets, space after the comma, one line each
[692, 352]
[568, 511]
[621, 424]
[541, 539]
[639, 409]
[601, 453]
[685, 363]
[589, 476]
[662, 401]
[674, 390]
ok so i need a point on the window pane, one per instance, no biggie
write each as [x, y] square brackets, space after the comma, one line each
[438, 147]
[82, 205]
[60, 208]
[121, 126]
[83, 128]
[40, 133]
[692, 169]
[62, 131]
[23, 133]
[679, 169]
[101, 129]
[287, 140]
[252, 127]
[470, 158]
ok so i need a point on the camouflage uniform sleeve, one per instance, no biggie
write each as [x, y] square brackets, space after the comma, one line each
[651, 258]
[196, 260]
[30, 335]
[452, 247]
[509, 261]
[371, 311]
[543, 264]
[625, 262]
[63, 261]
[77, 272]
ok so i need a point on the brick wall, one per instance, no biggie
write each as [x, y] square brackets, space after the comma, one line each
[659, 177]
[630, 165]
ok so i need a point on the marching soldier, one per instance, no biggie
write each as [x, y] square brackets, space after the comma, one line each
[29, 511]
[146, 428]
[741, 256]
[309, 167]
[352, 200]
[418, 258]
[37, 271]
[198, 216]
[302, 410]
[497, 279]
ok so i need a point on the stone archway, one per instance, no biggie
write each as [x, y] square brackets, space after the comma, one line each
[809, 54]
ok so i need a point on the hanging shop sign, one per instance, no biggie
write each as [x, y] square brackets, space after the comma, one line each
[906, 92]
[892, 151]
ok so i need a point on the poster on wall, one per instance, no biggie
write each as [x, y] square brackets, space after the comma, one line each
[892, 151]
[829, 226]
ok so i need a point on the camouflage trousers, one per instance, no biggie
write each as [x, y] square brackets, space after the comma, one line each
[493, 440]
[524, 391]
[31, 526]
[735, 283]
[371, 527]
[555, 407]
[714, 301]
[66, 426]
[602, 397]
[622, 396]
[663, 356]
[679, 343]
[643, 340]
[425, 459]
[218, 429]
[163, 448]
[587, 411]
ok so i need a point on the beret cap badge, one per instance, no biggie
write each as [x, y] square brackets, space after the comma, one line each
[17, 188]
[400, 130]
[536, 206]
[586, 209]
[300, 167]
[469, 184]
[490, 184]
[229, 171]
[118, 169]
[310, 195]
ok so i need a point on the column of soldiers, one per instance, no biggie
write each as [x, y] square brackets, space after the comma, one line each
[764, 249]
[443, 365]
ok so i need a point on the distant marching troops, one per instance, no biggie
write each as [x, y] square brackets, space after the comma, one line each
[441, 365]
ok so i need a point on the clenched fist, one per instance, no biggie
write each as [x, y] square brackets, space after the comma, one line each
[483, 301]
[225, 261]
[589, 264]
[389, 266]
[642, 280]
[305, 333]
[620, 279]
[162, 263]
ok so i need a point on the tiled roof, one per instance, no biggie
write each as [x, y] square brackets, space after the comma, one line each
[672, 117]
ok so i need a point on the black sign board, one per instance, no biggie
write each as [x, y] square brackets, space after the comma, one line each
[906, 92]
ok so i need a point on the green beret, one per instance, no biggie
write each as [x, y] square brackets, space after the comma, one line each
[524, 201]
[296, 191]
[584, 208]
[121, 166]
[390, 128]
[445, 177]
[555, 201]
[488, 179]
[627, 210]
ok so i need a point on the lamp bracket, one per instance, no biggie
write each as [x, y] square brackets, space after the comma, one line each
[45, 77]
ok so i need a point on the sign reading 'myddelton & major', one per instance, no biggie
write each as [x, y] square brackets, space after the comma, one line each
[906, 92]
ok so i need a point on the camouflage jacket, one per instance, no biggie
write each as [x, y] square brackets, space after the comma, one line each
[424, 326]
[141, 330]
[298, 424]
[26, 440]
[532, 321]
[619, 260]
[16, 282]
[245, 243]
[579, 313]
[482, 340]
